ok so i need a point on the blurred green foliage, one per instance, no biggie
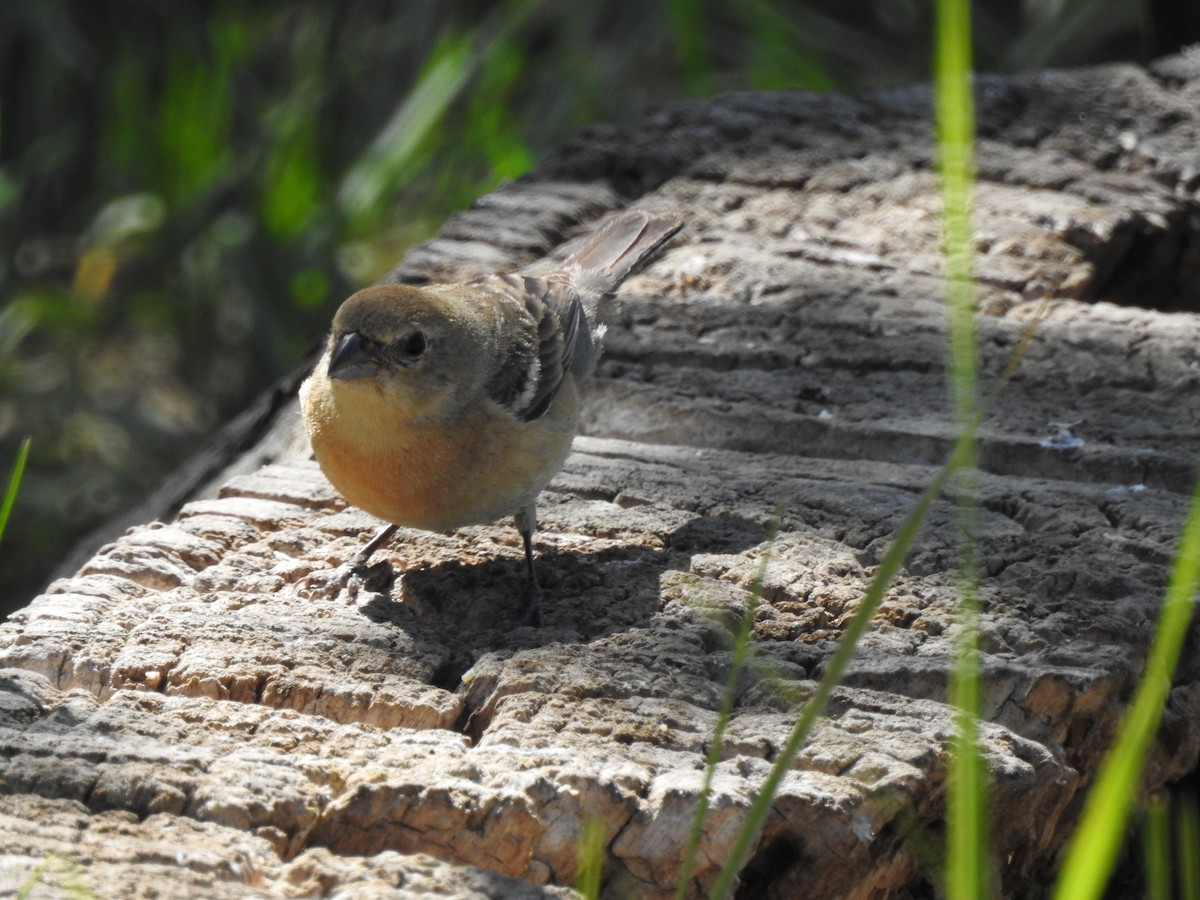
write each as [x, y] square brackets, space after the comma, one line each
[188, 189]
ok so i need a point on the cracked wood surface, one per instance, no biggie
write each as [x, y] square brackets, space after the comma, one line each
[198, 712]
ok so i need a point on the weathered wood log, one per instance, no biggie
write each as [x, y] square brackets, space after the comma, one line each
[198, 713]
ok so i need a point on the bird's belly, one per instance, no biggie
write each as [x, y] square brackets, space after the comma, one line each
[438, 478]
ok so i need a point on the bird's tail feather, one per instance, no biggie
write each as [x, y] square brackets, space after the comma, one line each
[608, 256]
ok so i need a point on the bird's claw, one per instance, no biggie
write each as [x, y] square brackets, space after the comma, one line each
[350, 577]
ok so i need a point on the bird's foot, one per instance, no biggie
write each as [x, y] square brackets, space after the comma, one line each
[352, 578]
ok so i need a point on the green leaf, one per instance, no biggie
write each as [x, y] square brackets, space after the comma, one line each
[14, 485]
[389, 162]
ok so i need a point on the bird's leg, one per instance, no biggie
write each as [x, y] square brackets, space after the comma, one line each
[526, 521]
[381, 537]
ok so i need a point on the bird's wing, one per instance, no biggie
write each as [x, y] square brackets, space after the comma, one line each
[543, 334]
[542, 326]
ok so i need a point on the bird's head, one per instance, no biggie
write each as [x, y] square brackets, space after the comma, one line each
[410, 346]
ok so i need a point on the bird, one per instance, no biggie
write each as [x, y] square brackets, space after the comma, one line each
[443, 405]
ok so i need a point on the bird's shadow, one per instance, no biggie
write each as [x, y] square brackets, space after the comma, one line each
[474, 607]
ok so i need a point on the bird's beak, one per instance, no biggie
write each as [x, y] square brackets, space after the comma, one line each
[350, 358]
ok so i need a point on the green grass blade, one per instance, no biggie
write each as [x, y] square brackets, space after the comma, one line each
[967, 863]
[14, 485]
[1156, 849]
[741, 651]
[1092, 853]
[589, 878]
[956, 130]
[388, 161]
[888, 567]
[60, 877]
[688, 26]
[787, 56]
[1187, 843]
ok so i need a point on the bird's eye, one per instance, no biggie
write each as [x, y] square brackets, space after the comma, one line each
[414, 345]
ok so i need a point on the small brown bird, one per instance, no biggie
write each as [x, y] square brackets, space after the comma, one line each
[455, 404]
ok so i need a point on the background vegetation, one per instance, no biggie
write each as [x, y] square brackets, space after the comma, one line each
[188, 189]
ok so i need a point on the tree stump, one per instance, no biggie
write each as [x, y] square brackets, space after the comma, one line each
[195, 713]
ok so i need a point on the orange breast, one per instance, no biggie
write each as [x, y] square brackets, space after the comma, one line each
[437, 477]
